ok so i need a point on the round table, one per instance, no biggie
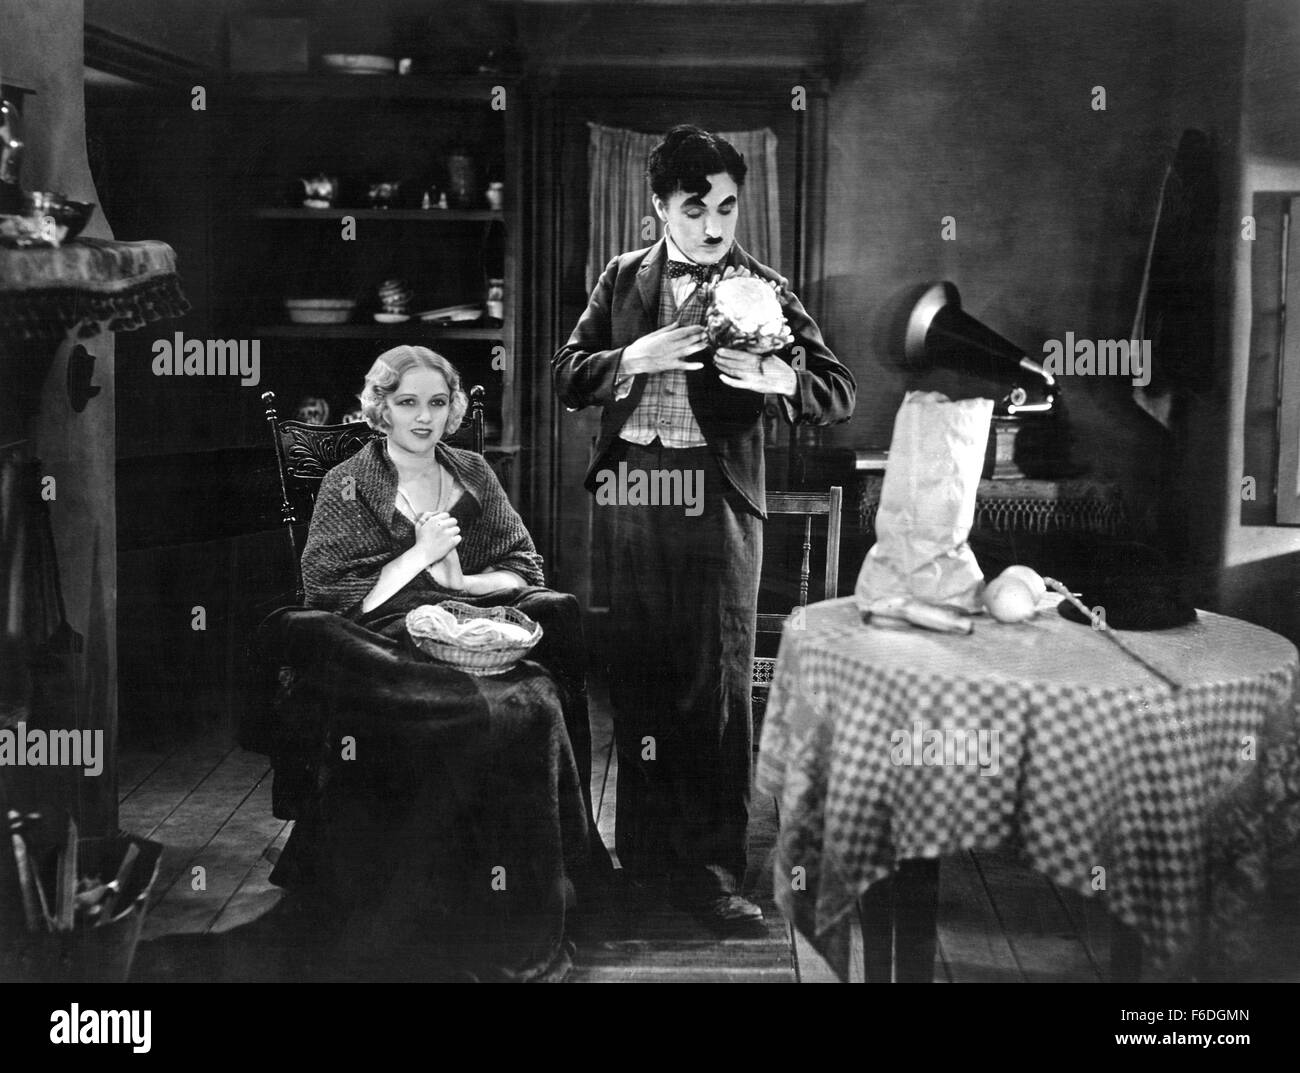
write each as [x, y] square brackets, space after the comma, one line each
[883, 745]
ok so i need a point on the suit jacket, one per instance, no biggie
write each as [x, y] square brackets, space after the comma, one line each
[625, 306]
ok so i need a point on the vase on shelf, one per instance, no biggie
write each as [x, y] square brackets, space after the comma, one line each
[462, 180]
[495, 304]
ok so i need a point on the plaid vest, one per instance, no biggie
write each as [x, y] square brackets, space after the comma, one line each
[664, 409]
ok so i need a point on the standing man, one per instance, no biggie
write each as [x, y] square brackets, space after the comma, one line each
[684, 576]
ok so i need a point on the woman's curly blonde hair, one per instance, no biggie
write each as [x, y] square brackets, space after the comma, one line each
[387, 372]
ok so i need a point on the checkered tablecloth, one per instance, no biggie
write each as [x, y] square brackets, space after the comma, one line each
[880, 745]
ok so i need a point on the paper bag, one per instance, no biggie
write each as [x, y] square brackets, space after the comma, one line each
[927, 505]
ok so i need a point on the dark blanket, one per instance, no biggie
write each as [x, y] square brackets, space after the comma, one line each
[444, 815]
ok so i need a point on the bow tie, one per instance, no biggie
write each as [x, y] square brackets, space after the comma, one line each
[699, 273]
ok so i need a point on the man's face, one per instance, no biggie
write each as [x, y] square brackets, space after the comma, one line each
[703, 225]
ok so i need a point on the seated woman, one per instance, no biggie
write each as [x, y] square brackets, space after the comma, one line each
[450, 815]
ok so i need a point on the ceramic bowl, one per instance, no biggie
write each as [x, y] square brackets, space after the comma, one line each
[319, 310]
[70, 217]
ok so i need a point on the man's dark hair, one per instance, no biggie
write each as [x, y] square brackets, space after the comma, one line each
[686, 156]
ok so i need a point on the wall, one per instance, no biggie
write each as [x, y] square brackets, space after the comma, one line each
[982, 111]
[41, 48]
[1260, 564]
[199, 521]
[191, 29]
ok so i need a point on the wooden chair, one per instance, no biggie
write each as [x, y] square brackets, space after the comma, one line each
[305, 453]
[809, 505]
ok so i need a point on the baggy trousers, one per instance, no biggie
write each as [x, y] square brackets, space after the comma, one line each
[683, 599]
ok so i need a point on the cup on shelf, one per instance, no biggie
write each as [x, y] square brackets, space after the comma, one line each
[494, 305]
[319, 191]
[312, 410]
[319, 310]
[394, 302]
[462, 180]
[383, 195]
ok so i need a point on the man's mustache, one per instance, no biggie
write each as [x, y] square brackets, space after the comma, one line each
[713, 241]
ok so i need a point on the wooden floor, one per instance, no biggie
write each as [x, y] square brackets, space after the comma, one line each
[215, 914]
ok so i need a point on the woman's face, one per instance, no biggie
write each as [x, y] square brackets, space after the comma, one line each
[418, 411]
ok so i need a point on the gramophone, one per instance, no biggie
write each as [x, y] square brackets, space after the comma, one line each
[940, 334]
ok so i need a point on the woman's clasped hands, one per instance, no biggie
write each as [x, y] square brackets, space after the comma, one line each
[436, 535]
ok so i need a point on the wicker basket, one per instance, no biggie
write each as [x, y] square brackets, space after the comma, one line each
[491, 659]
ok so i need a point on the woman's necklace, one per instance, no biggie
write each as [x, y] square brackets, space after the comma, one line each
[412, 480]
[437, 498]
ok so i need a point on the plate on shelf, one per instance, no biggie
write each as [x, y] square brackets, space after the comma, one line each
[359, 63]
[392, 318]
[454, 314]
[319, 310]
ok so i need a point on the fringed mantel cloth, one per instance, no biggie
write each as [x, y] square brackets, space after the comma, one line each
[1079, 505]
[87, 286]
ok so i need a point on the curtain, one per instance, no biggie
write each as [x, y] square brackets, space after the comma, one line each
[619, 196]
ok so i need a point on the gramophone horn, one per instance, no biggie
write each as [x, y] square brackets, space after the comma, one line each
[940, 332]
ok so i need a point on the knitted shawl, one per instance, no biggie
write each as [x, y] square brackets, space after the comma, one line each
[356, 529]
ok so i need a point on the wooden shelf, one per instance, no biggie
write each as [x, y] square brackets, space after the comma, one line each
[313, 86]
[298, 124]
[377, 331]
[425, 216]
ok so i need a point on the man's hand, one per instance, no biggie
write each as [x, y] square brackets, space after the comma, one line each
[664, 351]
[783, 293]
[751, 372]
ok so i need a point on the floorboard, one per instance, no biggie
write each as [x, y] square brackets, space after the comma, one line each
[256, 894]
[134, 767]
[208, 803]
[1041, 934]
[662, 944]
[146, 806]
[637, 974]
[974, 945]
[604, 764]
[810, 965]
[1091, 923]
[191, 826]
[226, 859]
[1281, 962]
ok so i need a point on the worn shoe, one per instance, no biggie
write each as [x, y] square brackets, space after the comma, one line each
[728, 914]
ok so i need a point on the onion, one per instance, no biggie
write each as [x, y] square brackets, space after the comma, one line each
[1008, 599]
[1031, 578]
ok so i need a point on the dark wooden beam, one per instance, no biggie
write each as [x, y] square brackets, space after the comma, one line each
[118, 55]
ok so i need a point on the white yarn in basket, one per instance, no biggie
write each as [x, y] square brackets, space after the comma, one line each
[475, 640]
[436, 622]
